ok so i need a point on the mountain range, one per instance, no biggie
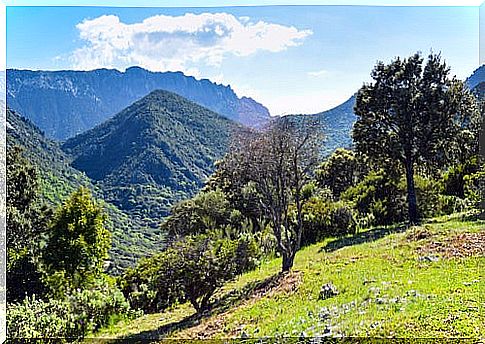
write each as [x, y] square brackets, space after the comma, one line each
[58, 179]
[151, 154]
[155, 152]
[66, 103]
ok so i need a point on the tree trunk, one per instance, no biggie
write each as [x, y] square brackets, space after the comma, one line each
[287, 262]
[411, 194]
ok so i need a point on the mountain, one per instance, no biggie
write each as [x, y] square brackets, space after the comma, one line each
[155, 152]
[58, 179]
[66, 103]
[337, 123]
[476, 81]
[477, 77]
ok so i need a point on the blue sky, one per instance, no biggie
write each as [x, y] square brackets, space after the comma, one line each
[293, 59]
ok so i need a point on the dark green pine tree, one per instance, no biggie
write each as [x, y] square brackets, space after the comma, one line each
[26, 221]
[415, 114]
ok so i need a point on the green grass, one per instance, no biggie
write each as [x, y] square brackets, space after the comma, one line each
[385, 290]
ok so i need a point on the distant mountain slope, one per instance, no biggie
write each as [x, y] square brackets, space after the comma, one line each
[155, 152]
[477, 77]
[66, 103]
[337, 124]
[59, 179]
[476, 81]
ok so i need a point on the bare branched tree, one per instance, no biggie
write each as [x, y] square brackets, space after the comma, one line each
[278, 161]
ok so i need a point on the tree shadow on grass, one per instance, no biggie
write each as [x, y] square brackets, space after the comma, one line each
[227, 301]
[363, 237]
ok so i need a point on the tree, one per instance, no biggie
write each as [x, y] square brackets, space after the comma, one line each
[207, 210]
[278, 162]
[415, 115]
[341, 170]
[26, 221]
[204, 264]
[78, 242]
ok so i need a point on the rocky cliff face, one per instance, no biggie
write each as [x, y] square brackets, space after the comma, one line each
[66, 103]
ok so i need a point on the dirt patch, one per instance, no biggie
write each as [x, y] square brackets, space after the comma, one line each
[418, 233]
[459, 246]
[286, 283]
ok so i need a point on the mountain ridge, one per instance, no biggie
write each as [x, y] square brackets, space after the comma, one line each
[155, 152]
[67, 102]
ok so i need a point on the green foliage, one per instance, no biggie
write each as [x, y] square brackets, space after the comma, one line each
[323, 219]
[453, 178]
[35, 318]
[79, 313]
[132, 238]
[340, 171]
[78, 242]
[96, 306]
[191, 269]
[26, 221]
[475, 188]
[415, 115]
[379, 196]
[207, 210]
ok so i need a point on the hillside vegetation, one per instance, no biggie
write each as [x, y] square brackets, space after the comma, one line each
[58, 179]
[252, 233]
[154, 153]
[391, 282]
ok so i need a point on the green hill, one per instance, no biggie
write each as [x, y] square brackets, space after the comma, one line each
[154, 153]
[391, 282]
[59, 179]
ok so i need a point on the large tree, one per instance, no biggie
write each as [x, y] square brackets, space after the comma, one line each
[26, 220]
[78, 242]
[415, 114]
[278, 162]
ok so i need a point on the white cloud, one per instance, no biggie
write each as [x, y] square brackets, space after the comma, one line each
[318, 73]
[181, 43]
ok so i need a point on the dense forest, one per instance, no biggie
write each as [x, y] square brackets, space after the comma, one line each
[193, 220]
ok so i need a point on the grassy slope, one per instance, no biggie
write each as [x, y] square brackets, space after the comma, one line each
[385, 290]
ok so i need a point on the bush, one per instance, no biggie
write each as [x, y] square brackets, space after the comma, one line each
[323, 219]
[71, 318]
[454, 177]
[150, 285]
[94, 308]
[428, 196]
[343, 169]
[190, 270]
[475, 188]
[378, 197]
[34, 318]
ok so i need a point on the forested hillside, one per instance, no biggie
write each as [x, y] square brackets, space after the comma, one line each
[153, 154]
[131, 240]
[66, 103]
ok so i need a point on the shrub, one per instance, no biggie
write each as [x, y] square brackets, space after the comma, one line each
[475, 188]
[340, 171]
[323, 218]
[67, 319]
[454, 177]
[94, 308]
[191, 269]
[150, 286]
[378, 197]
[34, 318]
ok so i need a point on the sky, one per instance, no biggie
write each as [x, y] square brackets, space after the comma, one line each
[292, 59]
